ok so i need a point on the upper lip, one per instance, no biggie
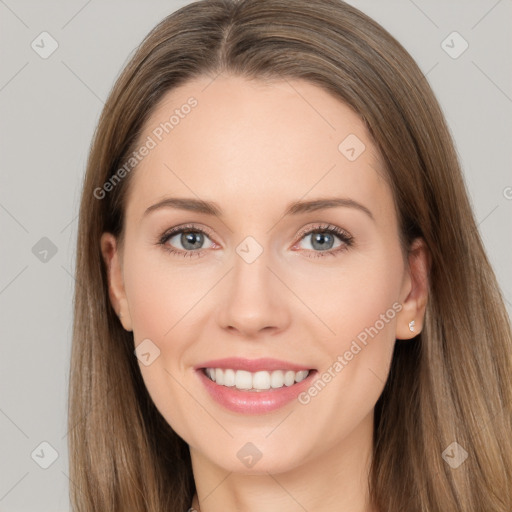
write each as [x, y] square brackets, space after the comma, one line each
[252, 365]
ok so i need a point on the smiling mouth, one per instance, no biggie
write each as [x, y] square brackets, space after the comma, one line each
[255, 381]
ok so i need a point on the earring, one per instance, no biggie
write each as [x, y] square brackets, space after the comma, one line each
[411, 325]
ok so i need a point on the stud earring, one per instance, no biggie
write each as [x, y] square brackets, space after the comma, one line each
[411, 325]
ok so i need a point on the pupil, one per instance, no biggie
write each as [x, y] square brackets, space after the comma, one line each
[321, 239]
[192, 240]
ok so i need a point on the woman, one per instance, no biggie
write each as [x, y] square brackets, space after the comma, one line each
[284, 301]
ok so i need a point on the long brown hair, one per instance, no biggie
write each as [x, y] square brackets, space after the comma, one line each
[449, 384]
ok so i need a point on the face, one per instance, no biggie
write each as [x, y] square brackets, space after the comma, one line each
[296, 259]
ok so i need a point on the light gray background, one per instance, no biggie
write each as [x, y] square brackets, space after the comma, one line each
[49, 109]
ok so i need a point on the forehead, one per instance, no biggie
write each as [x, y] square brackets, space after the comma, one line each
[256, 144]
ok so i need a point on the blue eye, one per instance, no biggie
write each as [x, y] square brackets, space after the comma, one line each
[191, 238]
[324, 237]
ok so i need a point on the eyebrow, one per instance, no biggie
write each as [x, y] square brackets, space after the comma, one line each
[295, 208]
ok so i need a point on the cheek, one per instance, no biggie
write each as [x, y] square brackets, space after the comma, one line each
[353, 296]
[369, 302]
[358, 355]
[161, 305]
[372, 306]
[165, 300]
[159, 293]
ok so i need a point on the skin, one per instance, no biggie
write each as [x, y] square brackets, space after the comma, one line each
[253, 147]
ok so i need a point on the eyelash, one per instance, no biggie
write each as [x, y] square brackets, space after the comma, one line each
[346, 239]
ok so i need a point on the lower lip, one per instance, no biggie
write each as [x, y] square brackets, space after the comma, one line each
[254, 402]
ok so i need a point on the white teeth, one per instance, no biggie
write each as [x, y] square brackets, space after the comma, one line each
[289, 378]
[261, 380]
[277, 379]
[243, 379]
[257, 381]
[229, 378]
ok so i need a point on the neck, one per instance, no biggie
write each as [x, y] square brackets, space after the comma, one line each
[336, 479]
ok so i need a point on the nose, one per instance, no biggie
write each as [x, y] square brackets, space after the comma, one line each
[256, 301]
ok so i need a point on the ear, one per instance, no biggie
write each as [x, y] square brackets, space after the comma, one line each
[112, 258]
[414, 292]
